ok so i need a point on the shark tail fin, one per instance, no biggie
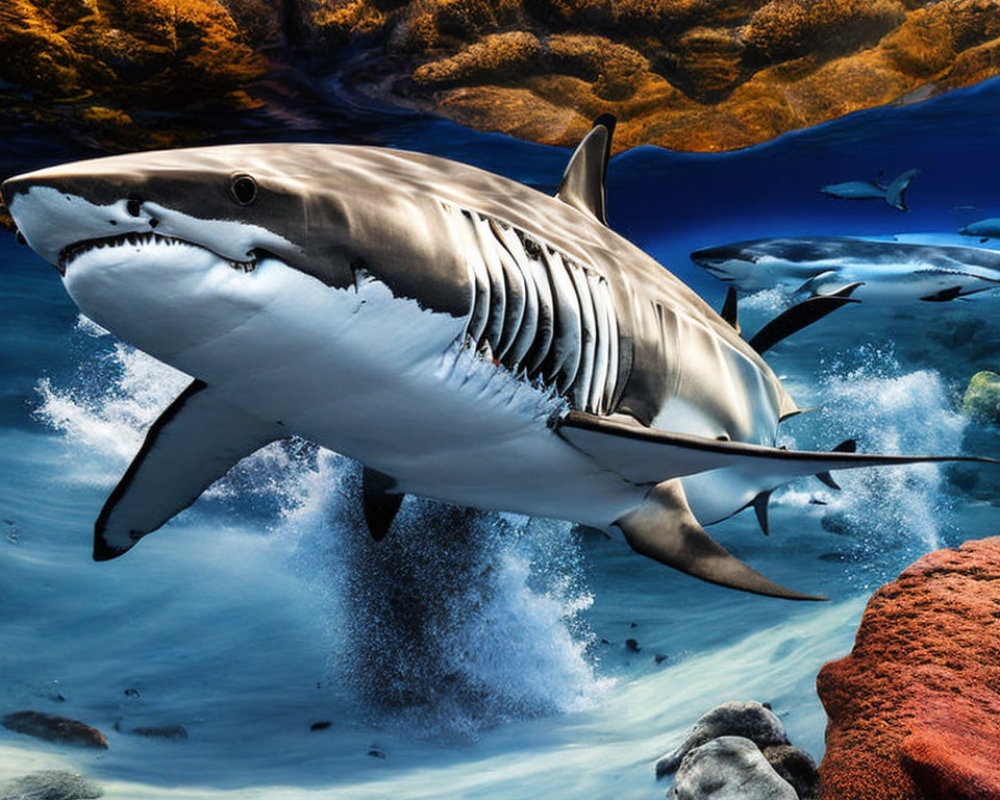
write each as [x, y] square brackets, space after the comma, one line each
[895, 192]
[664, 529]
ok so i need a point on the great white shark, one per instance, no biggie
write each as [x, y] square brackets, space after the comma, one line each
[883, 272]
[465, 337]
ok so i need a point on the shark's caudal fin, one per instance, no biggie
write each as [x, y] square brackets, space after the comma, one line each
[895, 192]
[664, 529]
[582, 184]
[193, 444]
[801, 315]
[647, 455]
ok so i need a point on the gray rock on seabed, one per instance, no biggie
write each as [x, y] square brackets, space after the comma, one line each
[797, 767]
[729, 768]
[50, 785]
[748, 719]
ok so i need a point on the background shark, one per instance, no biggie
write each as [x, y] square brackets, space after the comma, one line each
[465, 337]
[894, 193]
[888, 273]
[984, 228]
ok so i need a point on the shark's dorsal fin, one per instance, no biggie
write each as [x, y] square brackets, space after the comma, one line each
[192, 444]
[664, 529]
[582, 184]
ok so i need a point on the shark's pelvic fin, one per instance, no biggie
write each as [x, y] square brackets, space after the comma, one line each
[664, 529]
[944, 295]
[801, 315]
[582, 184]
[759, 504]
[729, 311]
[644, 455]
[193, 444]
[846, 446]
[381, 503]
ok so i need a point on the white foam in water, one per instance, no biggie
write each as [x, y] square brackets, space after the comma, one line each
[115, 399]
[767, 301]
[866, 396]
[462, 621]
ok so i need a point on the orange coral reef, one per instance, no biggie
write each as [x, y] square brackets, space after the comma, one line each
[687, 74]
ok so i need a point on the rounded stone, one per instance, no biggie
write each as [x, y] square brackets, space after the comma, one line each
[749, 719]
[729, 768]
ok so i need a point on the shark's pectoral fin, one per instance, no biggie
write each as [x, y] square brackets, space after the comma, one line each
[664, 529]
[648, 455]
[800, 316]
[381, 502]
[193, 444]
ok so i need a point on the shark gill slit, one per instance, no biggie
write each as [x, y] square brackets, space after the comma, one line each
[540, 313]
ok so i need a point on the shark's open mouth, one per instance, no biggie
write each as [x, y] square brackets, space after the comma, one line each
[71, 252]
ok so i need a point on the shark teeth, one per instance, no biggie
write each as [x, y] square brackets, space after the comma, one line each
[74, 251]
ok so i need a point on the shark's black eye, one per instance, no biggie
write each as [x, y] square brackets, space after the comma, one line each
[243, 188]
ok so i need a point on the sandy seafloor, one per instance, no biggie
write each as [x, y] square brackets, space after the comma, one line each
[482, 656]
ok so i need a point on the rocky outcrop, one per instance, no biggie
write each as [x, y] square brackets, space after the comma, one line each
[55, 729]
[689, 74]
[914, 710]
[97, 64]
[739, 750]
[686, 74]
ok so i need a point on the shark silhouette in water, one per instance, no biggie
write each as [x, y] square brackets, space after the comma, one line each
[463, 336]
[894, 193]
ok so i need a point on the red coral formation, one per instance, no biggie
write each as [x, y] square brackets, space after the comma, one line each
[914, 710]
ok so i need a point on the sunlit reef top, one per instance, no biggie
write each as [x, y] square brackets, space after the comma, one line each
[685, 74]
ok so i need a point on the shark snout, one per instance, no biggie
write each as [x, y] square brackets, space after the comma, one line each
[53, 215]
[714, 258]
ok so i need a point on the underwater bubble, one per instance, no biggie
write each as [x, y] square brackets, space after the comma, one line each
[867, 396]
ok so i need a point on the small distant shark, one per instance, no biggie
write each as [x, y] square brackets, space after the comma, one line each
[889, 273]
[465, 337]
[983, 228]
[893, 194]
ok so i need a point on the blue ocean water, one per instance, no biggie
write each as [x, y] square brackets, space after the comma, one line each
[482, 655]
